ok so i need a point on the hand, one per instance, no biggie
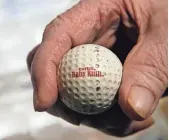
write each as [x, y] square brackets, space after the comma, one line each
[91, 21]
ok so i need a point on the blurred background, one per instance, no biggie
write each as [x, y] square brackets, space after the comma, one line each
[21, 27]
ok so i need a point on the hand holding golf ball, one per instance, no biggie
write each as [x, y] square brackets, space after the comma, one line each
[89, 77]
[145, 73]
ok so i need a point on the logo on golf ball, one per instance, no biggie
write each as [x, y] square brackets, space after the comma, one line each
[86, 72]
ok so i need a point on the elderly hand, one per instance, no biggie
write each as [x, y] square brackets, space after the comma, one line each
[145, 73]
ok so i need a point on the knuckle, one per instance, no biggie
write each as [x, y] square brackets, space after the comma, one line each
[56, 25]
[49, 29]
[150, 76]
[150, 65]
[50, 26]
[156, 60]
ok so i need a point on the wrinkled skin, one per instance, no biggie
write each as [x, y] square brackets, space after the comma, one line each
[145, 73]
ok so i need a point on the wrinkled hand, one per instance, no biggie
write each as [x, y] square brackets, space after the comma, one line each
[145, 74]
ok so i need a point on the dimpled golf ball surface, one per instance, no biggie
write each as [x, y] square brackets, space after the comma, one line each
[89, 78]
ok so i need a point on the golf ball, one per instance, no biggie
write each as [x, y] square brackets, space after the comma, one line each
[89, 78]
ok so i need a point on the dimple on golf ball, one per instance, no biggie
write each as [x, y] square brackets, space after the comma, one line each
[89, 78]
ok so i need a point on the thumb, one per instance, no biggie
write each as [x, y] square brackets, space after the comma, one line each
[145, 76]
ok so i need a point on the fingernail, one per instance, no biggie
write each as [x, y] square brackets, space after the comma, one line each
[141, 101]
[34, 92]
[35, 101]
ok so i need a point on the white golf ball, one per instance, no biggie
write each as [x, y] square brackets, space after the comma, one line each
[89, 78]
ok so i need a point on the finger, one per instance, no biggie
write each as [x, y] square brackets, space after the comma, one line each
[59, 109]
[43, 72]
[79, 25]
[107, 39]
[144, 76]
